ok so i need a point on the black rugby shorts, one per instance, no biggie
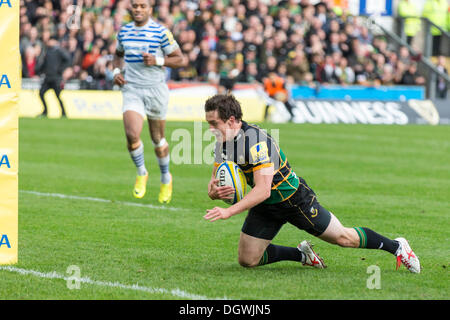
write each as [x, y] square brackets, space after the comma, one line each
[301, 210]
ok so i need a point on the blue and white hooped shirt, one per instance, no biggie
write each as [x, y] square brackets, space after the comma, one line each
[133, 41]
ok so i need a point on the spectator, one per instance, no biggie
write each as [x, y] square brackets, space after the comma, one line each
[387, 75]
[211, 36]
[30, 38]
[188, 73]
[267, 51]
[201, 63]
[368, 77]
[404, 55]
[76, 55]
[343, 73]
[399, 71]
[275, 87]
[231, 64]
[409, 10]
[29, 62]
[441, 84]
[270, 66]
[90, 58]
[251, 73]
[365, 37]
[297, 66]
[55, 62]
[411, 77]
[327, 71]
[436, 11]
[264, 34]
[229, 20]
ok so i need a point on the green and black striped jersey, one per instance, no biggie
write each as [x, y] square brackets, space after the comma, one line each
[253, 149]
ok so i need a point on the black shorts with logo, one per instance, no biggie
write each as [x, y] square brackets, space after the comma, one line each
[301, 210]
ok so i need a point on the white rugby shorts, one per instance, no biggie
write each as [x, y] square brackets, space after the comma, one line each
[151, 101]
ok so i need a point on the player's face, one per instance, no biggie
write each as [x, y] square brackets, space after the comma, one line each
[141, 11]
[223, 130]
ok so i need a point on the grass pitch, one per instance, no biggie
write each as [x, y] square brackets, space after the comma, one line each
[76, 209]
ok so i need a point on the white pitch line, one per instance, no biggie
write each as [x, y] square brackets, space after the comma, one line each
[54, 275]
[66, 196]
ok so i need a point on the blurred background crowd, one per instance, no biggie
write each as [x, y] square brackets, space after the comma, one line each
[248, 39]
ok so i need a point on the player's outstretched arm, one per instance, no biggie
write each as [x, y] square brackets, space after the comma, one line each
[260, 192]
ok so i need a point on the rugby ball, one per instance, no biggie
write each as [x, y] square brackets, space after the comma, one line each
[229, 174]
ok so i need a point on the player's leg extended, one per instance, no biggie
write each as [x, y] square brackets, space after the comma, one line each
[133, 123]
[358, 237]
[255, 252]
[157, 129]
[255, 247]
[361, 237]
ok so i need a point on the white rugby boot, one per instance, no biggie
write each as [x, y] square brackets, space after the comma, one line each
[312, 259]
[407, 257]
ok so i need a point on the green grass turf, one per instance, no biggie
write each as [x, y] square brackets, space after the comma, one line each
[392, 179]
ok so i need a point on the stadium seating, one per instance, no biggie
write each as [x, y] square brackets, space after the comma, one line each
[302, 42]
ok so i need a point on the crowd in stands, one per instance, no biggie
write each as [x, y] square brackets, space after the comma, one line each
[303, 43]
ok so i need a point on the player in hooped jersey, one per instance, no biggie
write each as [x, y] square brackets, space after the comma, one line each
[278, 196]
[145, 47]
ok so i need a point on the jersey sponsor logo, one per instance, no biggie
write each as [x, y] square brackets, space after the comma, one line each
[259, 152]
[169, 36]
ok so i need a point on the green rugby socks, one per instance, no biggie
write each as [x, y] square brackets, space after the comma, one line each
[369, 239]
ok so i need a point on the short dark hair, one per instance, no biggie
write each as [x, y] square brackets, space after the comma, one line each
[150, 3]
[226, 105]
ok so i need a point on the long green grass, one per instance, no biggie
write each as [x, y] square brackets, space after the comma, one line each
[392, 179]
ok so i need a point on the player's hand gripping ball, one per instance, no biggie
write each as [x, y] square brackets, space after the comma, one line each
[229, 174]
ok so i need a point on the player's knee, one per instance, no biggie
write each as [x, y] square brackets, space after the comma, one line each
[161, 147]
[248, 262]
[132, 136]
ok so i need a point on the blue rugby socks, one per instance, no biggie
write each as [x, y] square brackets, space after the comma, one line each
[164, 168]
[137, 155]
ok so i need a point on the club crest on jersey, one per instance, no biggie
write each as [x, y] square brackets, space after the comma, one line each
[259, 152]
[314, 212]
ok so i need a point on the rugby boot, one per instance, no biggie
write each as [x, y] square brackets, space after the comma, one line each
[312, 259]
[165, 192]
[140, 186]
[407, 257]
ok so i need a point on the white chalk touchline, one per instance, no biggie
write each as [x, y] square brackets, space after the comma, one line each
[66, 196]
[54, 275]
